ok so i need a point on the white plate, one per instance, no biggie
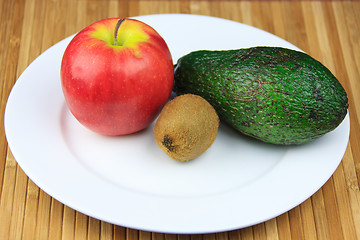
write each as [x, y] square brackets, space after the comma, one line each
[129, 181]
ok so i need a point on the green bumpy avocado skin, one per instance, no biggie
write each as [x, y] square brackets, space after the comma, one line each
[273, 94]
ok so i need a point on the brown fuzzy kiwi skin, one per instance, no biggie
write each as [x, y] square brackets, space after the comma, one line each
[186, 127]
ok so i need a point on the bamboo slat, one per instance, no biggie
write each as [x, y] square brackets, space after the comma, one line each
[327, 30]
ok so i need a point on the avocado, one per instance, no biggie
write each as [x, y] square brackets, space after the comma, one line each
[273, 94]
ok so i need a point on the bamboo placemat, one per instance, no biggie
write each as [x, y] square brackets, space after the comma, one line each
[327, 30]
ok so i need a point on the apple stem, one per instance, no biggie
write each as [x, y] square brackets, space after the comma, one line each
[116, 31]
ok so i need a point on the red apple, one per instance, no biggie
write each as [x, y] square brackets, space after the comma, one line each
[116, 75]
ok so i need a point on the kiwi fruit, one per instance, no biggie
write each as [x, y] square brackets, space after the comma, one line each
[186, 127]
